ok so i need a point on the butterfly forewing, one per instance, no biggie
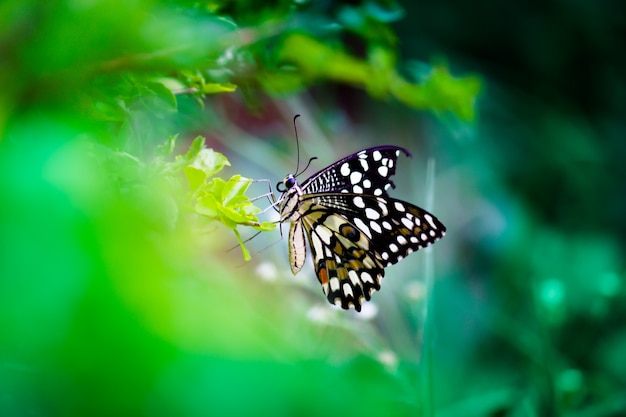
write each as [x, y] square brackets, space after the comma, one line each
[354, 228]
[364, 172]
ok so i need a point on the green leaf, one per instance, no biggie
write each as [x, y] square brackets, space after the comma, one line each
[317, 60]
[207, 205]
[441, 91]
[214, 88]
[235, 189]
[210, 162]
[438, 91]
[196, 177]
[265, 226]
[194, 149]
[162, 93]
[215, 187]
[203, 163]
[167, 148]
[234, 215]
[244, 250]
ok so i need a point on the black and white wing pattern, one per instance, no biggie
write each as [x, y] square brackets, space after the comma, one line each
[354, 228]
[365, 172]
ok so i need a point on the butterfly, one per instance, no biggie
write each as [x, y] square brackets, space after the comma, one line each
[354, 228]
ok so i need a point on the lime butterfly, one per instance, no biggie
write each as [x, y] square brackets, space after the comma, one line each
[354, 228]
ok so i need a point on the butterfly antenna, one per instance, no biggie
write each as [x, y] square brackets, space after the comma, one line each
[295, 128]
[307, 165]
[298, 172]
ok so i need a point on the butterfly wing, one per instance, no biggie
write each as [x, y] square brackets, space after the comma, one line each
[395, 228]
[364, 172]
[344, 262]
[354, 236]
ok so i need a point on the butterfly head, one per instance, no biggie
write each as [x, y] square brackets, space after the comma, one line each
[287, 183]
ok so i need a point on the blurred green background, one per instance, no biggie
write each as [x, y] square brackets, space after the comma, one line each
[118, 298]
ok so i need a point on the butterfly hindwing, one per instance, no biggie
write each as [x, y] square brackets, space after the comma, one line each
[345, 265]
[394, 227]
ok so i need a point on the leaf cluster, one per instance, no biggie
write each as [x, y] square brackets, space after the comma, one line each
[218, 199]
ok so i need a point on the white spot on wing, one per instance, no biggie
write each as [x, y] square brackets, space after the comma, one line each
[401, 240]
[354, 278]
[430, 220]
[357, 189]
[367, 183]
[399, 206]
[366, 277]
[324, 234]
[364, 164]
[383, 207]
[363, 227]
[387, 225]
[347, 290]
[393, 247]
[377, 155]
[355, 177]
[375, 227]
[317, 244]
[334, 284]
[358, 201]
[372, 214]
[345, 169]
[383, 171]
[407, 223]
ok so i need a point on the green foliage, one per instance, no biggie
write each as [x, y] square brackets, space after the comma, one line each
[316, 60]
[216, 199]
[118, 295]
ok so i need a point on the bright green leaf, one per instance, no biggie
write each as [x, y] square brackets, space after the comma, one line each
[207, 205]
[210, 162]
[234, 215]
[244, 250]
[317, 60]
[194, 149]
[236, 186]
[265, 226]
[214, 88]
[196, 177]
[215, 187]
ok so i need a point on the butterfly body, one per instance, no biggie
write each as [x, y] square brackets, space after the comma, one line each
[353, 227]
